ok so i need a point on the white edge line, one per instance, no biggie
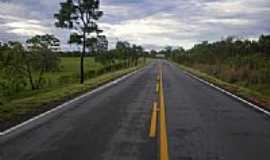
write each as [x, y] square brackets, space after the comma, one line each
[229, 93]
[7, 131]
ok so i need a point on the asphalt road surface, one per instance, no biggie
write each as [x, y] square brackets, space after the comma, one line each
[113, 124]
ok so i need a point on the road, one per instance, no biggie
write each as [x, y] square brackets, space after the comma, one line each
[113, 124]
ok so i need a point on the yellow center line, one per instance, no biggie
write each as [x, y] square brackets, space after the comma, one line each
[153, 126]
[164, 154]
[158, 79]
[157, 87]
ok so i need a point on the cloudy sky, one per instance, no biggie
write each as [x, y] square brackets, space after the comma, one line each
[151, 23]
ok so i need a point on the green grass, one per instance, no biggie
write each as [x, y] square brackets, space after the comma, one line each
[250, 94]
[19, 109]
[68, 72]
[27, 103]
[70, 66]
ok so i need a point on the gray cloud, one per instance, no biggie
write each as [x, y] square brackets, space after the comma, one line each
[151, 23]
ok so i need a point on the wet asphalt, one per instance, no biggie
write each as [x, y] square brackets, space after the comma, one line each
[113, 124]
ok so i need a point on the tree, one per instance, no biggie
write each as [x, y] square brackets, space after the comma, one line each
[102, 43]
[81, 16]
[137, 51]
[123, 49]
[264, 43]
[11, 68]
[40, 58]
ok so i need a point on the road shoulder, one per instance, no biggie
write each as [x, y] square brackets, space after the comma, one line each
[251, 98]
[52, 103]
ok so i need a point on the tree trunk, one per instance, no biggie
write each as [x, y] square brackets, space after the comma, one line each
[30, 77]
[82, 59]
[40, 77]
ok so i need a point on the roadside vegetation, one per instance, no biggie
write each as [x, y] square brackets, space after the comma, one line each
[36, 75]
[31, 86]
[240, 65]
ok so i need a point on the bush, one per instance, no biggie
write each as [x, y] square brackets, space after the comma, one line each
[12, 85]
[90, 74]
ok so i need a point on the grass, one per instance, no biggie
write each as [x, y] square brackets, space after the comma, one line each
[250, 93]
[69, 67]
[30, 103]
[71, 64]
[68, 72]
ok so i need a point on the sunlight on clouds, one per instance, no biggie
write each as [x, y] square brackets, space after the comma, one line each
[160, 29]
[228, 22]
[227, 7]
[26, 28]
[26, 32]
[134, 27]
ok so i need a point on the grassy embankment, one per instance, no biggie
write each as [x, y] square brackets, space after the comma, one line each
[61, 86]
[258, 94]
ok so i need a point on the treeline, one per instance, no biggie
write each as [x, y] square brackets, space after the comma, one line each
[24, 66]
[124, 51]
[124, 55]
[241, 61]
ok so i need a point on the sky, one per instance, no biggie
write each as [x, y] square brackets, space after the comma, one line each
[154, 24]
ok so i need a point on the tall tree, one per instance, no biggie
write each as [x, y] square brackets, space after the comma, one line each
[81, 16]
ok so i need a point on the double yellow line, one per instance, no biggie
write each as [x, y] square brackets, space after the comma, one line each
[164, 154]
[153, 124]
